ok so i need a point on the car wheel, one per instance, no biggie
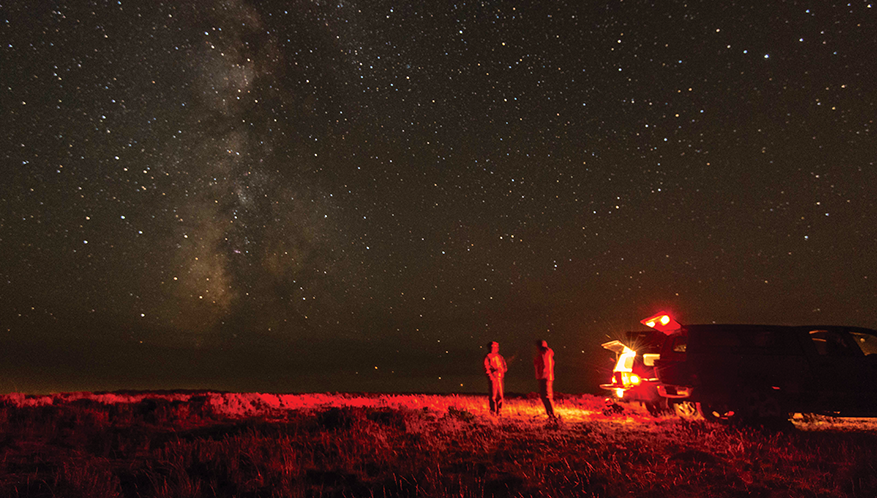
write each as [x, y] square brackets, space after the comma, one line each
[764, 405]
[717, 412]
[686, 410]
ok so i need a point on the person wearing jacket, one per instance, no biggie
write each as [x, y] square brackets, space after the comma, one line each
[495, 368]
[544, 363]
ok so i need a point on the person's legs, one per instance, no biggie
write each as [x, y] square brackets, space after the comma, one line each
[500, 396]
[546, 392]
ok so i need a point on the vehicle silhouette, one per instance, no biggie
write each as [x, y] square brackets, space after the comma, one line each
[733, 372]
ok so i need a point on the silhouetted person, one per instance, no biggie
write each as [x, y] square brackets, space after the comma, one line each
[495, 368]
[544, 363]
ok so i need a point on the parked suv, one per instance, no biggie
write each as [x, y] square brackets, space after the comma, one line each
[761, 371]
[633, 378]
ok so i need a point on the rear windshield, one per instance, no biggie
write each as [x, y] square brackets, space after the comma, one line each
[646, 341]
[680, 344]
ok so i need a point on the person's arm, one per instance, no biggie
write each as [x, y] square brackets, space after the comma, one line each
[550, 368]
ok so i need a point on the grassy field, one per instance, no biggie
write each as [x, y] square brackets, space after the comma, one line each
[264, 445]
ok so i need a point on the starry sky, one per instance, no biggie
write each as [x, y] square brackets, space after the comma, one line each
[257, 195]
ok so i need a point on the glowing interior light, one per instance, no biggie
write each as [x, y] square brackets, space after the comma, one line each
[651, 323]
[635, 379]
[625, 360]
[665, 320]
[619, 393]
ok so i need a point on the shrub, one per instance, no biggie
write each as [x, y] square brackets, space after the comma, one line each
[460, 414]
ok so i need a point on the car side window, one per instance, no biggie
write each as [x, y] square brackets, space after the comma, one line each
[765, 339]
[832, 343]
[866, 342]
[719, 340]
[769, 341]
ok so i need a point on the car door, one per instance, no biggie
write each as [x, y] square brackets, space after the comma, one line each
[843, 376]
[865, 340]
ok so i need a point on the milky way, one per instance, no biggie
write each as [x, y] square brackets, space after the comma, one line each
[340, 196]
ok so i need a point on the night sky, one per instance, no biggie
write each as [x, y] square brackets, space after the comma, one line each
[302, 196]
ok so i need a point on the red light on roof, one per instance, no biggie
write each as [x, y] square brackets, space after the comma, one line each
[663, 322]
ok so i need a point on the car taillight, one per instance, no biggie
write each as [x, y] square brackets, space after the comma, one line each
[627, 379]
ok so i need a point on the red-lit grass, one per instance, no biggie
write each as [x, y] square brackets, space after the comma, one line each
[220, 444]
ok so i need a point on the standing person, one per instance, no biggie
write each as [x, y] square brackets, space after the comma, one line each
[495, 368]
[544, 363]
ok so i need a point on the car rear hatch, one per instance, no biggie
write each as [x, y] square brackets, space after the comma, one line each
[671, 368]
[646, 344]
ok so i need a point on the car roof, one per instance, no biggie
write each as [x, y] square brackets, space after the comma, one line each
[748, 326]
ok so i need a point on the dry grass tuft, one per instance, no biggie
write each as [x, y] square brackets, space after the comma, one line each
[267, 445]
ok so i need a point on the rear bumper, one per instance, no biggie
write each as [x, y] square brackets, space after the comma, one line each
[642, 392]
[676, 392]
